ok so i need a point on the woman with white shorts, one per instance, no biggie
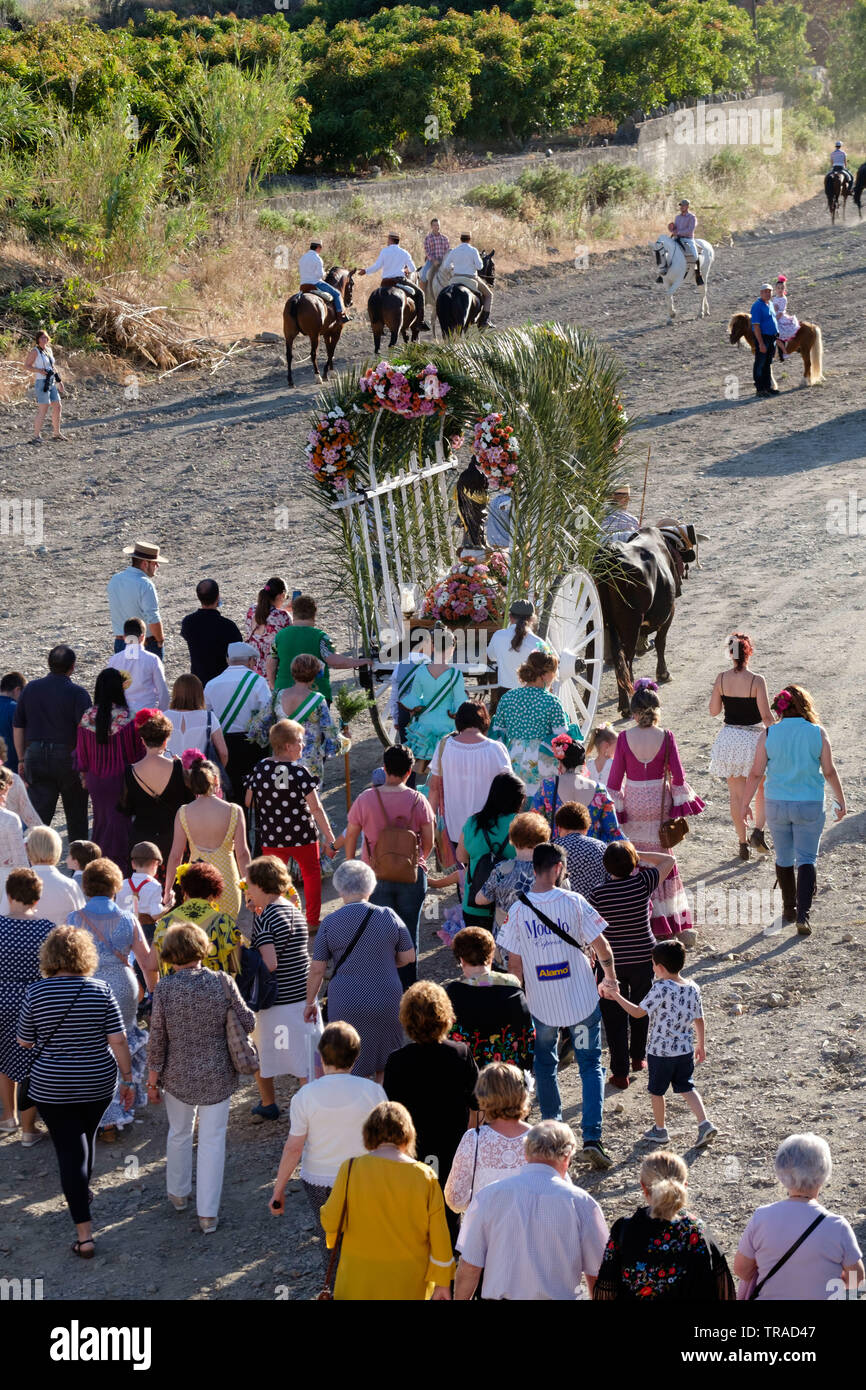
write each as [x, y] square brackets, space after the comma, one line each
[743, 697]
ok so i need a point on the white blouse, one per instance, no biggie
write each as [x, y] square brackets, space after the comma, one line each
[497, 1157]
[190, 730]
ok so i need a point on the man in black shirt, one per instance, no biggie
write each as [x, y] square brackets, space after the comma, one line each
[208, 634]
[45, 728]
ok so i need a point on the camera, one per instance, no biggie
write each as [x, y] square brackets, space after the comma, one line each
[49, 380]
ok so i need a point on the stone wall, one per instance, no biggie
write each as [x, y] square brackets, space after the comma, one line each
[664, 145]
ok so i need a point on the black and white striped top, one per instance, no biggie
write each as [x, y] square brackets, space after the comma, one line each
[624, 903]
[73, 1060]
[283, 927]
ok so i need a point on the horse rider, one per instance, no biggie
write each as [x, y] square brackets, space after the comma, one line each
[464, 262]
[619, 524]
[436, 248]
[839, 160]
[311, 269]
[395, 265]
[682, 230]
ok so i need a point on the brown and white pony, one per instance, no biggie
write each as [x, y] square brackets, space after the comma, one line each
[312, 315]
[807, 341]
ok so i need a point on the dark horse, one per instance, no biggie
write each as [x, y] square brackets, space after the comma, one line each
[837, 188]
[458, 307]
[314, 316]
[859, 186]
[643, 578]
[392, 308]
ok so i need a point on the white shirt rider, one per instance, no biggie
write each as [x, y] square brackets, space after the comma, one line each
[463, 260]
[311, 268]
[393, 262]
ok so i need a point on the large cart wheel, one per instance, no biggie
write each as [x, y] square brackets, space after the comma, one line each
[378, 684]
[573, 625]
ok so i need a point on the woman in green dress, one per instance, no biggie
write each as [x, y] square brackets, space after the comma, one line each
[486, 833]
[436, 694]
[527, 718]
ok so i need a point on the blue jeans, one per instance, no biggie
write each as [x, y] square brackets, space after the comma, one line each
[796, 830]
[406, 899]
[331, 293]
[586, 1037]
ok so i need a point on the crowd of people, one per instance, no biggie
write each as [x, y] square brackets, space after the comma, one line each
[176, 958]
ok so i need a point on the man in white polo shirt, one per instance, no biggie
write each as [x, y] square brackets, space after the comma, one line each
[560, 987]
[464, 262]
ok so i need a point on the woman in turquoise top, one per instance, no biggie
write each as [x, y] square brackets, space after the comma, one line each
[527, 718]
[487, 833]
[796, 756]
[437, 692]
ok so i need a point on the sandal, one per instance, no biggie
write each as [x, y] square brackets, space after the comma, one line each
[76, 1249]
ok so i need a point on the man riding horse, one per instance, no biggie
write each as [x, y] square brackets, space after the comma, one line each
[436, 248]
[464, 262]
[682, 229]
[839, 160]
[395, 265]
[311, 269]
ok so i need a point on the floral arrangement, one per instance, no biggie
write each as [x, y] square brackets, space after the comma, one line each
[330, 450]
[497, 563]
[457, 441]
[496, 448]
[411, 392]
[467, 594]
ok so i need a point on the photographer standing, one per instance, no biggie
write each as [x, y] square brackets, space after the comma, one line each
[47, 386]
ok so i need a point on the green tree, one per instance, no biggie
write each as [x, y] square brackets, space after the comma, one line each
[784, 50]
[846, 62]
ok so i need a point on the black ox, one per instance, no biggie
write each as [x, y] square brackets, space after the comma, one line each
[642, 579]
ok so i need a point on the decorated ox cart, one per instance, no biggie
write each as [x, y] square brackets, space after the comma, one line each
[417, 537]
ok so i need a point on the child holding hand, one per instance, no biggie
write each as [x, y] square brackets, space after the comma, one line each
[674, 1008]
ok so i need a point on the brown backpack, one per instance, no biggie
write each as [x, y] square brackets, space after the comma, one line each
[397, 850]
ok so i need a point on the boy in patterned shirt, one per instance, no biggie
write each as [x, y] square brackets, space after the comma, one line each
[674, 1008]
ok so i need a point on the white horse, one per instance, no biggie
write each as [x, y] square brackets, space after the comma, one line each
[673, 268]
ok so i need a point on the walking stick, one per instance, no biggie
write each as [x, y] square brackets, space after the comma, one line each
[645, 476]
[344, 729]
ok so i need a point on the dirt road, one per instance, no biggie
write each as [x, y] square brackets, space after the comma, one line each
[199, 463]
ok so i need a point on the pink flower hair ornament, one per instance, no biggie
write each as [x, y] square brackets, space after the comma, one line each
[188, 757]
[561, 744]
[644, 684]
[782, 700]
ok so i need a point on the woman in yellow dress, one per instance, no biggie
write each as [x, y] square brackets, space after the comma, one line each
[390, 1212]
[206, 820]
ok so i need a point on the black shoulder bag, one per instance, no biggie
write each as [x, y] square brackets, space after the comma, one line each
[786, 1257]
[345, 956]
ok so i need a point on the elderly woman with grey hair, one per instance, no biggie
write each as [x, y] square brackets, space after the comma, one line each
[367, 945]
[797, 1249]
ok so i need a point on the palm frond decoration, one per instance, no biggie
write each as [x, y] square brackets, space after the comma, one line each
[559, 388]
[351, 701]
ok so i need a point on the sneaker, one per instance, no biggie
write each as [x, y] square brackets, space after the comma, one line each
[758, 843]
[8, 1126]
[744, 849]
[265, 1112]
[621, 1083]
[803, 926]
[593, 1151]
[706, 1133]
[28, 1140]
[656, 1135]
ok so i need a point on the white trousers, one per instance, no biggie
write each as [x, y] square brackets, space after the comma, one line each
[212, 1125]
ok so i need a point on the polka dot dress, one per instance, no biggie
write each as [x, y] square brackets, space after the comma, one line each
[279, 793]
[20, 940]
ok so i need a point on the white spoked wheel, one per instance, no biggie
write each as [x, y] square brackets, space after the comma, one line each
[574, 627]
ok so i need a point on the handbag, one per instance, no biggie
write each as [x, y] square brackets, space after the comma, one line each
[257, 984]
[326, 1296]
[345, 956]
[213, 757]
[749, 1289]
[676, 828]
[245, 1057]
[24, 1101]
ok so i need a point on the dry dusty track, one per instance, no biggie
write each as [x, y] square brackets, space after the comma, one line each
[198, 463]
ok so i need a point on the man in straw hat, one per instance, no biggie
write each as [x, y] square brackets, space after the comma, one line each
[132, 594]
[620, 523]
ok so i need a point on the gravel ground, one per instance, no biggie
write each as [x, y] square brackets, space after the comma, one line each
[199, 462]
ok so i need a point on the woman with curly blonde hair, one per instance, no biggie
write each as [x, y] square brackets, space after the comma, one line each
[433, 1076]
[796, 758]
[74, 1083]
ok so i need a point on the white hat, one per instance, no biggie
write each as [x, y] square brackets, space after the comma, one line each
[240, 651]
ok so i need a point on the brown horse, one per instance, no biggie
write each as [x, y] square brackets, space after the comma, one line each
[393, 309]
[807, 341]
[837, 187]
[311, 315]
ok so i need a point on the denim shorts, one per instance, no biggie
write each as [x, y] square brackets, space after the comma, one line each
[43, 398]
[670, 1071]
